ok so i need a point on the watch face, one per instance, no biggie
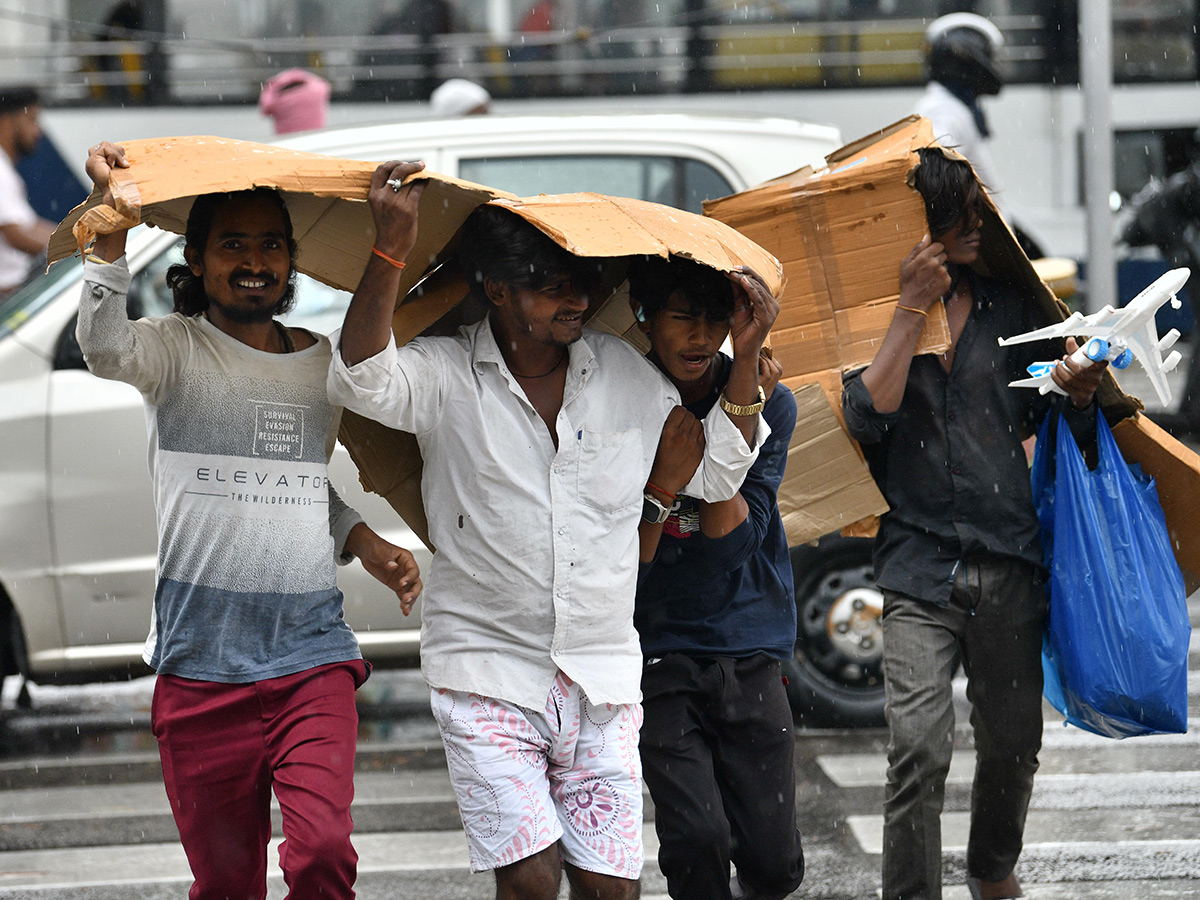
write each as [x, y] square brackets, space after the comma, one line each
[653, 511]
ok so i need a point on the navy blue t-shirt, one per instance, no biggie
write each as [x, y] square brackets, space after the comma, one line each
[729, 596]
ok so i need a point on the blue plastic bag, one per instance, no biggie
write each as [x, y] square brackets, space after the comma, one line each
[1116, 647]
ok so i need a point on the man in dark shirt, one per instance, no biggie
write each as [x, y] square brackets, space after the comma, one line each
[716, 615]
[957, 557]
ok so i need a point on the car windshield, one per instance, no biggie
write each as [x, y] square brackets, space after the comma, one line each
[675, 181]
[28, 300]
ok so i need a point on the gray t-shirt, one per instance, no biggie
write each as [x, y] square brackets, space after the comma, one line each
[248, 524]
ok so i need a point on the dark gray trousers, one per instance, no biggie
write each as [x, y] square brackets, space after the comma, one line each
[994, 623]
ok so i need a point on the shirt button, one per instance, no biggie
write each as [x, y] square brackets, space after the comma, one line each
[957, 470]
[951, 416]
[562, 531]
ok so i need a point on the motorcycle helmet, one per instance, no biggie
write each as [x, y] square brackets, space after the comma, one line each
[962, 50]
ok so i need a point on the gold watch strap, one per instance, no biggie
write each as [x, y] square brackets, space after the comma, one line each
[752, 409]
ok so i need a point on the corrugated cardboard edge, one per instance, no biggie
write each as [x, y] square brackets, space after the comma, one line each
[1176, 469]
[897, 142]
[819, 435]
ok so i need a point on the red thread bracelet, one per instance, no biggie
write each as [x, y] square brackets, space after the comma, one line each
[395, 262]
[665, 493]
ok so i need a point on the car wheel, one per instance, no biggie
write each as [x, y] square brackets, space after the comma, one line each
[13, 659]
[835, 678]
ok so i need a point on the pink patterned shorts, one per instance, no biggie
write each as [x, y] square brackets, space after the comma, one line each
[526, 779]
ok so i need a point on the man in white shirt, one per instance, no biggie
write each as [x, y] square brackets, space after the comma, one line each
[23, 234]
[539, 439]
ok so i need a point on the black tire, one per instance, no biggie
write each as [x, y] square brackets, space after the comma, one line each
[13, 658]
[835, 678]
[12, 640]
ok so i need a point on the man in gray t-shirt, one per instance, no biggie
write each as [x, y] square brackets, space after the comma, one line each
[257, 668]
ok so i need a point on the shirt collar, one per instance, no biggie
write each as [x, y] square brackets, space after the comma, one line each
[580, 359]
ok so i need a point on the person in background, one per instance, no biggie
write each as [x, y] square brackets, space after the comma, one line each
[297, 100]
[257, 668]
[459, 97]
[961, 63]
[24, 235]
[123, 66]
[716, 616]
[957, 556]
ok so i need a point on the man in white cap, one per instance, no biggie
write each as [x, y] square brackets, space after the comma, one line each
[459, 97]
[961, 60]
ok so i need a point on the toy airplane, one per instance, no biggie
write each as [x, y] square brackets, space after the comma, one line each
[1116, 335]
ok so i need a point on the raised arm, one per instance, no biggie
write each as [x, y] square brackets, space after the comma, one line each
[755, 310]
[147, 355]
[720, 518]
[923, 281]
[368, 325]
[101, 161]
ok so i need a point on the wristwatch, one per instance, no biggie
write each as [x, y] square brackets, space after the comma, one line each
[652, 509]
[751, 410]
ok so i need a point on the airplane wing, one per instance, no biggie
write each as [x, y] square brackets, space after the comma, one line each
[1145, 346]
[1044, 383]
[1098, 324]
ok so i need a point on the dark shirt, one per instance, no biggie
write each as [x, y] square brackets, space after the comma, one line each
[950, 461]
[727, 596]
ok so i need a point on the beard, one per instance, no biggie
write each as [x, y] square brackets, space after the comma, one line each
[249, 315]
[253, 315]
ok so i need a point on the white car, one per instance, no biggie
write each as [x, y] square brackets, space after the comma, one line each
[77, 528]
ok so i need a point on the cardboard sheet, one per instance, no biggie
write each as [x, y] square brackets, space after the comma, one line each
[841, 232]
[1176, 469]
[826, 487]
[326, 198]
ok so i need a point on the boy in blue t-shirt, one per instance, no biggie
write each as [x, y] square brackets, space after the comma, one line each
[716, 615]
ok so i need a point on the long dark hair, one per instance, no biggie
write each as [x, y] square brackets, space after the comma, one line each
[187, 287]
[950, 190]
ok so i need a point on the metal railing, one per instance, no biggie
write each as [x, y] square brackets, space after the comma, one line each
[698, 57]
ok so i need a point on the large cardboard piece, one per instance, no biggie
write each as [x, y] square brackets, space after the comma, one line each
[325, 195]
[332, 222]
[1176, 469]
[841, 232]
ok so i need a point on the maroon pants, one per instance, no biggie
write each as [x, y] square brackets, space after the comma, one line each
[225, 746]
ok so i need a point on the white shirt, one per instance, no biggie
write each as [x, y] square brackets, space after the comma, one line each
[14, 210]
[954, 127]
[537, 547]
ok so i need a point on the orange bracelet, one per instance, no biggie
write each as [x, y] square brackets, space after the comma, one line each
[665, 493]
[919, 312]
[395, 262]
